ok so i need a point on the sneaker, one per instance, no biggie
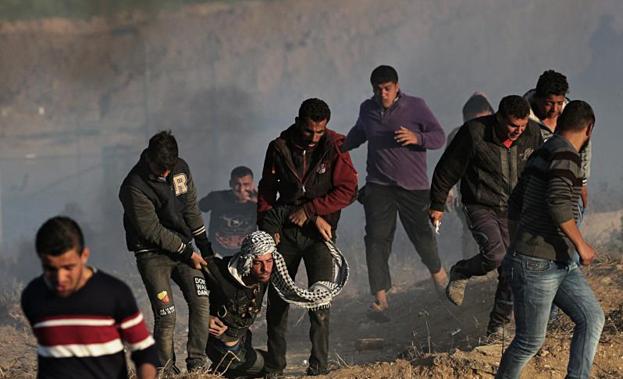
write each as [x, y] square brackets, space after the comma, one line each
[455, 291]
[169, 370]
[497, 334]
[197, 365]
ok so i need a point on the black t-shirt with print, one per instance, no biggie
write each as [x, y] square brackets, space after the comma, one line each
[230, 221]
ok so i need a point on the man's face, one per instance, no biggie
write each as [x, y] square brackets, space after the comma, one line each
[65, 274]
[242, 187]
[512, 127]
[262, 267]
[311, 132]
[386, 93]
[550, 106]
[158, 172]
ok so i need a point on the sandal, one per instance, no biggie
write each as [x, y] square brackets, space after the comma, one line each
[377, 313]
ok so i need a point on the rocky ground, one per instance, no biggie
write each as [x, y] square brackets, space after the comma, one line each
[426, 337]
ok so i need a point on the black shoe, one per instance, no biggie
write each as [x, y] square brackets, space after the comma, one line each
[314, 371]
[197, 366]
[169, 370]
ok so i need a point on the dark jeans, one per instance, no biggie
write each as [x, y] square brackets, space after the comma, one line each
[469, 248]
[157, 270]
[236, 361]
[490, 230]
[381, 204]
[294, 246]
[537, 284]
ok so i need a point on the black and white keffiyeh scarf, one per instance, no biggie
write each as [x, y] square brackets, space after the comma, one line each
[319, 294]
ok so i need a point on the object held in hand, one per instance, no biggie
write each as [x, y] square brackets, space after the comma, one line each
[437, 224]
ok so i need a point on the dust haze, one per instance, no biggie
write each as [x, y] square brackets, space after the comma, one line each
[80, 97]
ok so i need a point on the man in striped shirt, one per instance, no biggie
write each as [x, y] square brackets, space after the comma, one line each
[542, 210]
[82, 317]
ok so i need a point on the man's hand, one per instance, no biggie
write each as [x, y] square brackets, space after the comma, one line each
[324, 228]
[277, 238]
[146, 371]
[216, 326]
[405, 137]
[197, 261]
[435, 216]
[584, 196]
[298, 217]
[587, 254]
[252, 195]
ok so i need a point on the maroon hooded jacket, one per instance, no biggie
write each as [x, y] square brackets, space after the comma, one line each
[321, 180]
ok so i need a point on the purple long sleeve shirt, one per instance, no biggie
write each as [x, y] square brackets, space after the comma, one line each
[388, 162]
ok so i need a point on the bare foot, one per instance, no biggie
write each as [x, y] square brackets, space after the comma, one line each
[440, 278]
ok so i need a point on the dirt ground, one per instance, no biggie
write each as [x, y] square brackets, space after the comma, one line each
[427, 336]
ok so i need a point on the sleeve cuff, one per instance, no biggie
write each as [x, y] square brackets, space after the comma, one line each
[420, 138]
[441, 207]
[187, 252]
[309, 210]
[561, 216]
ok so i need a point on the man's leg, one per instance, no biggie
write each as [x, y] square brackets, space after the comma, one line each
[468, 245]
[413, 212]
[235, 362]
[193, 286]
[576, 298]
[486, 230]
[156, 270]
[380, 209]
[319, 267]
[534, 284]
[503, 302]
[277, 309]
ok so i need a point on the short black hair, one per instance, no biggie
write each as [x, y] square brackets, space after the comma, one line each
[551, 83]
[514, 106]
[162, 150]
[240, 172]
[383, 74]
[476, 104]
[576, 116]
[58, 235]
[315, 110]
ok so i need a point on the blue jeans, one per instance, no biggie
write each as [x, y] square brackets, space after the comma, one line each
[537, 284]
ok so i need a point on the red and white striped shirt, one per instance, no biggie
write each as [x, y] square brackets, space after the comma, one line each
[83, 335]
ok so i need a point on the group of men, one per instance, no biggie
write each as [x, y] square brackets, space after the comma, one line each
[522, 199]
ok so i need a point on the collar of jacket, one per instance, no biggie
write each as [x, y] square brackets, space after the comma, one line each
[376, 101]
